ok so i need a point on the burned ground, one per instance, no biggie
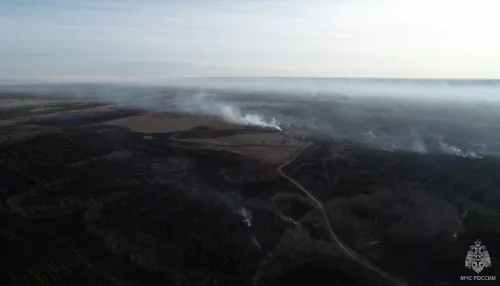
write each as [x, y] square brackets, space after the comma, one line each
[425, 209]
[101, 195]
[94, 204]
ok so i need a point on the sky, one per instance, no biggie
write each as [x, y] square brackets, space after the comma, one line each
[149, 39]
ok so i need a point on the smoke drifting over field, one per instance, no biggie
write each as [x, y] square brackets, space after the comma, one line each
[457, 117]
[205, 104]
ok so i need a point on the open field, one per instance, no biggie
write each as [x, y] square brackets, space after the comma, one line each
[168, 124]
[9, 103]
[214, 134]
[268, 147]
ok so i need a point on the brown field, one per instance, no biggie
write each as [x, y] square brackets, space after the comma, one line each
[270, 147]
[163, 124]
[27, 102]
[274, 148]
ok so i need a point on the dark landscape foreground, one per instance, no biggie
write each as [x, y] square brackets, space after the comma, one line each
[89, 198]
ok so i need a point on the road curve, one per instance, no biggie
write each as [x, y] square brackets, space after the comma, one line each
[326, 222]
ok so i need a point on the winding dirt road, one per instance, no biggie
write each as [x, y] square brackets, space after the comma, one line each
[326, 222]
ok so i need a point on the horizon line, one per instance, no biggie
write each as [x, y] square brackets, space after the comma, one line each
[146, 80]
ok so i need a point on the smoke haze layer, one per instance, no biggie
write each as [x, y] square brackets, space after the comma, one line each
[458, 117]
[421, 89]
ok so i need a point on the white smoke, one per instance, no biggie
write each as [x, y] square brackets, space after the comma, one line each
[418, 143]
[287, 219]
[453, 150]
[256, 242]
[247, 216]
[233, 201]
[206, 104]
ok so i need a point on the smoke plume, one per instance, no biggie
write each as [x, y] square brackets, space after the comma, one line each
[206, 104]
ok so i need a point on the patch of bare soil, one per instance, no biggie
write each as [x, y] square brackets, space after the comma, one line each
[163, 124]
[27, 102]
[273, 148]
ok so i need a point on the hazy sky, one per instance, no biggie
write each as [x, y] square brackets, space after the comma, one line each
[153, 38]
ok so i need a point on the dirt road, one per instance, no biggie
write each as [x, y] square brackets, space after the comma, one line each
[326, 222]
